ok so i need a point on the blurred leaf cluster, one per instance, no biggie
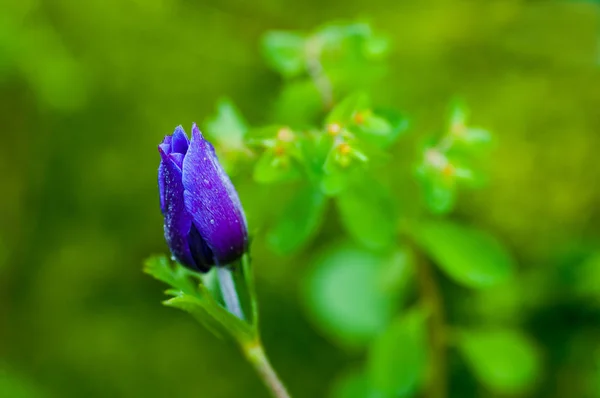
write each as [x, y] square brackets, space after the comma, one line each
[377, 295]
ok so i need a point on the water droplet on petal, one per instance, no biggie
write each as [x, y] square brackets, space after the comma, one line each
[212, 221]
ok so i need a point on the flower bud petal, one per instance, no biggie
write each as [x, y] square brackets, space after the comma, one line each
[212, 202]
[177, 221]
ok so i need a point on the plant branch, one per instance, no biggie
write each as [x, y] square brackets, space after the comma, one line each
[255, 354]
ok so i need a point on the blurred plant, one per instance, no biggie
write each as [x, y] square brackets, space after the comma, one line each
[377, 294]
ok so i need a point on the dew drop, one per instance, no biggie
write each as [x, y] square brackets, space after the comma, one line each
[212, 221]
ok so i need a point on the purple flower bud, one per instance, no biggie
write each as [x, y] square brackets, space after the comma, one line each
[204, 220]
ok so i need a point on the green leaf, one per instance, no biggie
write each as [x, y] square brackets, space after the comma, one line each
[377, 47]
[341, 168]
[504, 360]
[284, 52]
[272, 167]
[380, 127]
[346, 296]
[299, 222]
[227, 127]
[368, 214]
[197, 300]
[398, 357]
[354, 384]
[469, 256]
[439, 193]
[476, 136]
[299, 103]
[343, 112]
[335, 34]
[195, 307]
[176, 276]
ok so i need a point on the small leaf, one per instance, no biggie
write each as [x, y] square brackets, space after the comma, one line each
[284, 51]
[299, 221]
[477, 136]
[439, 193]
[335, 34]
[346, 296]
[368, 213]
[505, 361]
[469, 256]
[341, 166]
[377, 47]
[379, 127]
[299, 103]
[272, 167]
[176, 276]
[227, 127]
[354, 384]
[397, 358]
[194, 306]
[343, 112]
[196, 299]
[458, 119]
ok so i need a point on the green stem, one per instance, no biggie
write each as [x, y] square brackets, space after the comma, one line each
[255, 354]
[432, 299]
[229, 292]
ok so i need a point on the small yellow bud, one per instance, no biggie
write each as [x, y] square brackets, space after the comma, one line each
[344, 148]
[285, 134]
[334, 129]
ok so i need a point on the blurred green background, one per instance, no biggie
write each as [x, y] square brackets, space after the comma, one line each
[88, 90]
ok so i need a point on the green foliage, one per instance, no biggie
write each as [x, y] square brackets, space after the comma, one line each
[367, 213]
[328, 135]
[449, 163]
[285, 52]
[504, 360]
[397, 358]
[299, 221]
[346, 294]
[467, 255]
[227, 128]
[354, 384]
[190, 294]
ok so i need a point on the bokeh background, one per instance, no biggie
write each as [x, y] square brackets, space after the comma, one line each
[88, 89]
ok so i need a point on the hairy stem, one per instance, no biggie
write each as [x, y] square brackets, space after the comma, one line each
[230, 295]
[257, 357]
[432, 299]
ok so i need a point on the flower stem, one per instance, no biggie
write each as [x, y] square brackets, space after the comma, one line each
[432, 299]
[255, 354]
[230, 295]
